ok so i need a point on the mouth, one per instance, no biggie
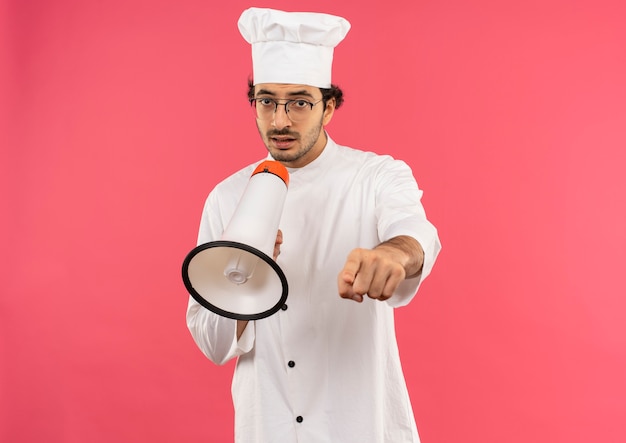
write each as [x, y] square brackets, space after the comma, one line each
[283, 141]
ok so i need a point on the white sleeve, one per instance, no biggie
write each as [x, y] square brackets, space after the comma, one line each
[399, 211]
[216, 336]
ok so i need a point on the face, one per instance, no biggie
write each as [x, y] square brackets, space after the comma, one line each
[294, 144]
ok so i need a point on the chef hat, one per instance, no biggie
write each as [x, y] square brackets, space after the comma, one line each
[292, 47]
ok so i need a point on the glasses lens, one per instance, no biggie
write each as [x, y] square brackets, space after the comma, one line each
[298, 110]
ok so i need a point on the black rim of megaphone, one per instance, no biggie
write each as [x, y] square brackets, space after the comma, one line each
[231, 244]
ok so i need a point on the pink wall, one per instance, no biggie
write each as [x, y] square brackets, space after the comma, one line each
[118, 117]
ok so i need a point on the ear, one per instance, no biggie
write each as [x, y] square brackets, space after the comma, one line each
[328, 111]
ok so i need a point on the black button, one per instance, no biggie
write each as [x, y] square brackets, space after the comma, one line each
[291, 363]
[299, 419]
[284, 307]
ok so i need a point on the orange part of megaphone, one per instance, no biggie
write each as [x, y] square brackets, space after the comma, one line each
[273, 167]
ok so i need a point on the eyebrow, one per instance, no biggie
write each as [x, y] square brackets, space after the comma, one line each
[289, 94]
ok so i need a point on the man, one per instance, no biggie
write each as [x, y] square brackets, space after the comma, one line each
[324, 368]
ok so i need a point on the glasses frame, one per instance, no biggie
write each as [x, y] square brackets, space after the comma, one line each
[287, 102]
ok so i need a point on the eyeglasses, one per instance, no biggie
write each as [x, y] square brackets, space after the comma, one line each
[296, 110]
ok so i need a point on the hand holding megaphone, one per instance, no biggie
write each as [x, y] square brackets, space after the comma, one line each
[279, 241]
[236, 276]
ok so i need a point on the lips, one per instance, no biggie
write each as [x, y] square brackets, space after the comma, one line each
[283, 141]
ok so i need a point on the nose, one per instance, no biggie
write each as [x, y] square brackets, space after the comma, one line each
[281, 118]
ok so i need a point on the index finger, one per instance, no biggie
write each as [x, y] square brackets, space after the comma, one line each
[347, 276]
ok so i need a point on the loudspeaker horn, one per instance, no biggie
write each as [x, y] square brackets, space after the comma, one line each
[236, 276]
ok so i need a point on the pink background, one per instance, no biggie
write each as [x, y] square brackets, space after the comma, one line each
[118, 117]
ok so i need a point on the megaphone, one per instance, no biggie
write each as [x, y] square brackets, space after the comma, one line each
[236, 276]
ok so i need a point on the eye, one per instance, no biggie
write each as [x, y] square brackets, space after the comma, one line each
[300, 104]
[265, 101]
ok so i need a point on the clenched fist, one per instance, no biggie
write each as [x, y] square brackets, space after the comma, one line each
[378, 272]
